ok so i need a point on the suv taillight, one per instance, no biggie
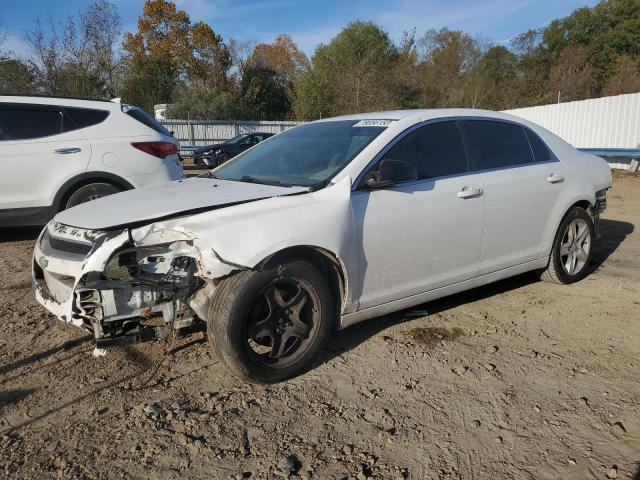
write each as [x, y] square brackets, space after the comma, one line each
[157, 149]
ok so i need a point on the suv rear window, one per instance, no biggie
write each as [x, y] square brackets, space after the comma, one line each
[86, 117]
[146, 119]
[23, 123]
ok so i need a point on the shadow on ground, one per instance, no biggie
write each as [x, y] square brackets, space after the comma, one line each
[9, 397]
[612, 234]
[16, 234]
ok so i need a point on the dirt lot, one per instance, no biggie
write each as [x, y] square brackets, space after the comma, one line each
[521, 379]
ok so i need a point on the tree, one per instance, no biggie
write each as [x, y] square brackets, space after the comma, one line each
[211, 58]
[265, 93]
[77, 57]
[205, 103]
[406, 73]
[609, 29]
[163, 31]
[448, 57]
[101, 30]
[282, 57]
[353, 73]
[571, 75]
[625, 77]
[492, 82]
[15, 76]
[151, 82]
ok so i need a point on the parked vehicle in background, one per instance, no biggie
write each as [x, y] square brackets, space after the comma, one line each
[325, 225]
[59, 152]
[212, 156]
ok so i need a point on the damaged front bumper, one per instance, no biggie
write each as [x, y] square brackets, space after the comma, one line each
[113, 283]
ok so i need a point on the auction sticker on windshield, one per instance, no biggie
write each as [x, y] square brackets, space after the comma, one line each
[374, 123]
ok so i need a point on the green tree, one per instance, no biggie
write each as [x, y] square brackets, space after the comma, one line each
[15, 76]
[151, 81]
[449, 56]
[606, 31]
[353, 73]
[491, 84]
[265, 93]
[211, 58]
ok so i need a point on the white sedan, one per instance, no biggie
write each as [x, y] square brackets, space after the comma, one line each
[322, 226]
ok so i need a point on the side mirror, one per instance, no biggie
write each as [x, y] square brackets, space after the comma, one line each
[391, 172]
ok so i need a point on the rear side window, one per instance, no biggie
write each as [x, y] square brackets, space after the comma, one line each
[146, 119]
[24, 123]
[497, 144]
[86, 117]
[540, 151]
[436, 150]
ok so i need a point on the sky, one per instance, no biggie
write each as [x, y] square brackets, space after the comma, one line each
[310, 23]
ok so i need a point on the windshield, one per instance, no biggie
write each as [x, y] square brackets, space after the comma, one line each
[306, 155]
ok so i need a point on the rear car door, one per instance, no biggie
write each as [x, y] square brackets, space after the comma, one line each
[523, 183]
[40, 148]
[420, 235]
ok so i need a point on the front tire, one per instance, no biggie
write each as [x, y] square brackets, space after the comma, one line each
[572, 249]
[270, 325]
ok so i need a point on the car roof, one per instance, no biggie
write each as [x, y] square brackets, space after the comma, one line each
[423, 114]
[64, 101]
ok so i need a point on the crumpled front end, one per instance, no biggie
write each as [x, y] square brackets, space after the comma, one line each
[114, 282]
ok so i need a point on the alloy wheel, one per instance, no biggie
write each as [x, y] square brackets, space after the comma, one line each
[575, 246]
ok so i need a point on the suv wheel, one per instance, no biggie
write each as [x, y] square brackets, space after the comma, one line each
[90, 192]
[572, 249]
[270, 325]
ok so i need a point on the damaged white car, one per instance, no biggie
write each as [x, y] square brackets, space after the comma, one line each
[322, 226]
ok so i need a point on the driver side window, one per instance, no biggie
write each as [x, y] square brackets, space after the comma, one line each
[436, 150]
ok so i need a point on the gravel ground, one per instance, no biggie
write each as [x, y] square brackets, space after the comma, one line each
[520, 379]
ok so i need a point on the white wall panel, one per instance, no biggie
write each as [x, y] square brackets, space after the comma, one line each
[608, 122]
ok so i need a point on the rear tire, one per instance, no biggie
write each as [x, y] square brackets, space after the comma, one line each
[90, 192]
[270, 325]
[572, 249]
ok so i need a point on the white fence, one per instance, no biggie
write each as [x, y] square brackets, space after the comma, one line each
[599, 123]
[196, 133]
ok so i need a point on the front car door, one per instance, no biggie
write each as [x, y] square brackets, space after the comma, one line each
[420, 235]
[523, 182]
[40, 148]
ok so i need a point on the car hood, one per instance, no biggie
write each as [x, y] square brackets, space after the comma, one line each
[182, 197]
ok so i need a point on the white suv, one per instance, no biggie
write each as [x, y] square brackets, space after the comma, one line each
[59, 152]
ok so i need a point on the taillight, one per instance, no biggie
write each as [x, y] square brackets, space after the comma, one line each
[157, 149]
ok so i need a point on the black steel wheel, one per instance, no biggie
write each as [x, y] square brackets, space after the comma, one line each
[270, 325]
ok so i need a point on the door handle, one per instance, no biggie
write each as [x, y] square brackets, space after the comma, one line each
[553, 178]
[467, 192]
[64, 151]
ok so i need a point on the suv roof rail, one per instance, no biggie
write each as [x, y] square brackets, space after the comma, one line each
[42, 95]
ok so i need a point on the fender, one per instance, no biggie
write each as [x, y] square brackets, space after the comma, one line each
[243, 236]
[548, 243]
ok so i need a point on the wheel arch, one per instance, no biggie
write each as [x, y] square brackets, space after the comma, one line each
[74, 183]
[329, 264]
[582, 202]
